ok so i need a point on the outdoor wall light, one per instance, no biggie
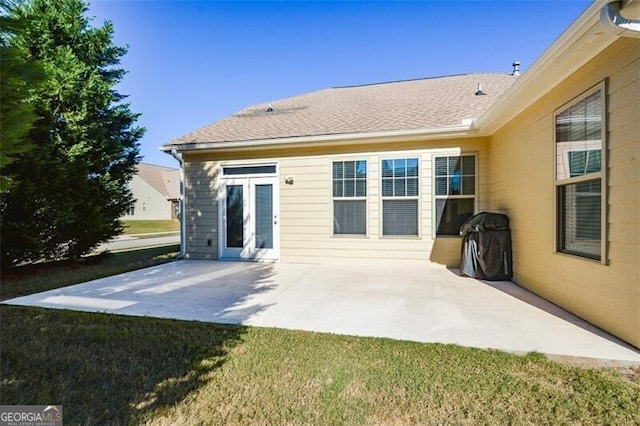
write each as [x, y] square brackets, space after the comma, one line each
[288, 180]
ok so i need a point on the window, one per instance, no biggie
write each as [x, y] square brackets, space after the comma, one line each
[349, 197]
[175, 210]
[248, 170]
[400, 197]
[579, 134]
[455, 192]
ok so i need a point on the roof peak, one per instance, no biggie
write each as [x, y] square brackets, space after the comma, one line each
[427, 103]
[408, 80]
[159, 166]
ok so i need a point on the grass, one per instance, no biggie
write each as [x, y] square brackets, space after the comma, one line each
[132, 227]
[104, 369]
[107, 369]
[29, 279]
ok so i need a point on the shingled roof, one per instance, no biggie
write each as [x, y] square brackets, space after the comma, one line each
[403, 105]
[165, 179]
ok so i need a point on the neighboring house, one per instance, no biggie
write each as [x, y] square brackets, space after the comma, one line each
[156, 190]
[391, 171]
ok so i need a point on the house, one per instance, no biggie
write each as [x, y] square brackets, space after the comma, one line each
[156, 190]
[391, 171]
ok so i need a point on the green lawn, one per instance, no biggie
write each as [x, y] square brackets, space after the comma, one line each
[108, 369]
[30, 279]
[150, 226]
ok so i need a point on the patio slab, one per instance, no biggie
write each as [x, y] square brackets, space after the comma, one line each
[416, 301]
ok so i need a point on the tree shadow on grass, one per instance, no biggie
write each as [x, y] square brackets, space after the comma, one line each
[34, 278]
[106, 369]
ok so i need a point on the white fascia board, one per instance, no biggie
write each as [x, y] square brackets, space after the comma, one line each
[448, 132]
[580, 43]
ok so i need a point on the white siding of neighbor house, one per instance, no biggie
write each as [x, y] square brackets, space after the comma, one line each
[306, 206]
[149, 203]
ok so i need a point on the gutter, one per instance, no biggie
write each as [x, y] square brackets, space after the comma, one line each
[466, 129]
[589, 35]
[613, 22]
[183, 229]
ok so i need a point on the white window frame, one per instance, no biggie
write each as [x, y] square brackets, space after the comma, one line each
[350, 198]
[384, 198]
[601, 175]
[445, 197]
[245, 179]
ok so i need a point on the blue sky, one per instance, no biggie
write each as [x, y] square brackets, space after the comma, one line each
[191, 63]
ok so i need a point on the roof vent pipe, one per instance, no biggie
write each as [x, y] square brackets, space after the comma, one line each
[612, 21]
[480, 92]
[516, 68]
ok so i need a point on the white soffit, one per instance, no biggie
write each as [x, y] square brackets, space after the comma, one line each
[467, 129]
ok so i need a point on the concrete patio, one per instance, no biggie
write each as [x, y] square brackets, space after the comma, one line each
[415, 301]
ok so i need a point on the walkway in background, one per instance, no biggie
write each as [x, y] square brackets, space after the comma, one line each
[130, 242]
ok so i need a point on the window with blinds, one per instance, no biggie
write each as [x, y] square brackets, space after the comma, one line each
[455, 192]
[400, 197]
[579, 136]
[350, 197]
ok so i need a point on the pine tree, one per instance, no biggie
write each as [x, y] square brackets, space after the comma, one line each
[17, 75]
[71, 188]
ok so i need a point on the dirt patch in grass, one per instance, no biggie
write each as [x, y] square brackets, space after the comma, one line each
[109, 369]
[119, 370]
[631, 373]
[627, 370]
[279, 376]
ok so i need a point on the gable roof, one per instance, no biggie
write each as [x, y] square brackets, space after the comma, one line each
[165, 179]
[431, 103]
[411, 110]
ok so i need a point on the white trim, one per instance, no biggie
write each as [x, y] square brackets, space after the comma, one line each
[257, 163]
[265, 253]
[346, 159]
[580, 43]
[248, 182]
[435, 197]
[225, 252]
[446, 132]
[417, 198]
[601, 175]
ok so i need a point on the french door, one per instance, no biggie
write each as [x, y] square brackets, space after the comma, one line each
[249, 218]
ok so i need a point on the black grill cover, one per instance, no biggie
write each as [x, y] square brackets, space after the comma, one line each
[486, 247]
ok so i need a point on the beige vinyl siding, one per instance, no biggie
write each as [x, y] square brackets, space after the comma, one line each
[521, 179]
[307, 209]
[306, 206]
[201, 210]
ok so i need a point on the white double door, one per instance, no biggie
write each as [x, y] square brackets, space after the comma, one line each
[249, 218]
